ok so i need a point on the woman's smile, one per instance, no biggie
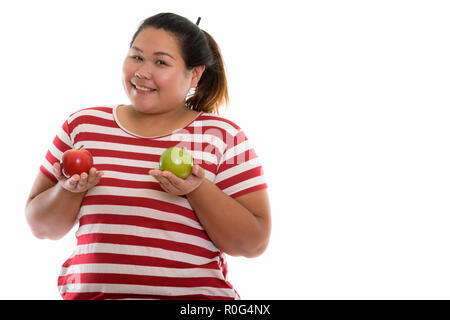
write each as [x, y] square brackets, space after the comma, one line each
[142, 90]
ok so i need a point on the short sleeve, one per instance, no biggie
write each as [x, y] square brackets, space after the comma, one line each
[61, 143]
[240, 171]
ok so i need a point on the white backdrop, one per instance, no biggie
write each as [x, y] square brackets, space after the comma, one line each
[346, 102]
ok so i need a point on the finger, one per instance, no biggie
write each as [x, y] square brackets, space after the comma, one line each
[98, 176]
[83, 180]
[92, 176]
[166, 177]
[165, 189]
[57, 170]
[72, 181]
[173, 179]
[198, 171]
[163, 179]
[154, 172]
[165, 182]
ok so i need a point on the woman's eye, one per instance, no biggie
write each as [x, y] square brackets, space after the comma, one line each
[160, 62]
[136, 58]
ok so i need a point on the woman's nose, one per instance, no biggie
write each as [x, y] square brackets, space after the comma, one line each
[143, 73]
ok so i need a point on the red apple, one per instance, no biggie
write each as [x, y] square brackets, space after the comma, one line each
[76, 161]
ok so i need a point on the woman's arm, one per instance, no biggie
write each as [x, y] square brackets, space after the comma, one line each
[239, 227]
[51, 209]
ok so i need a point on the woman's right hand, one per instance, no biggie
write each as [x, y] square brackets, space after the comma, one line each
[78, 183]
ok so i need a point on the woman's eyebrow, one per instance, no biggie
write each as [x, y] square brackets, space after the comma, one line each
[158, 53]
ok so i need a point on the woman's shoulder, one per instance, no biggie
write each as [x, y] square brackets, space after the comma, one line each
[93, 110]
[97, 111]
[221, 122]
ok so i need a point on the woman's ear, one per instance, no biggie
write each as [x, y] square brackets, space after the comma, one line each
[197, 75]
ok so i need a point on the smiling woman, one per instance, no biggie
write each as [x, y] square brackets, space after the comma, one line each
[144, 232]
[156, 80]
[189, 48]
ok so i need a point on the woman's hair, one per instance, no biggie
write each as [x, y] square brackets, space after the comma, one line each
[197, 48]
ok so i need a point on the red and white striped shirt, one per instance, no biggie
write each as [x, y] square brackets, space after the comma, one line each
[134, 239]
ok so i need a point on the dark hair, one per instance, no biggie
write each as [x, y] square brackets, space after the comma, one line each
[197, 48]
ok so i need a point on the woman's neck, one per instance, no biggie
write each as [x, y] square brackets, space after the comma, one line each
[150, 125]
[157, 119]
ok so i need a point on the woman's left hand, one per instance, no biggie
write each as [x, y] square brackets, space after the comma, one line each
[177, 186]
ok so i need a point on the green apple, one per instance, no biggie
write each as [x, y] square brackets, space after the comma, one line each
[176, 160]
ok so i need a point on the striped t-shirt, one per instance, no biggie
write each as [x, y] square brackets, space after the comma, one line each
[135, 240]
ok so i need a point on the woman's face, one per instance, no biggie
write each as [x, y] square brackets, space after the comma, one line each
[154, 73]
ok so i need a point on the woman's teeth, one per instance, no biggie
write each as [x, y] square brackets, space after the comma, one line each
[143, 88]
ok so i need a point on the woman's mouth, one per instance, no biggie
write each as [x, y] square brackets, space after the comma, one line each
[142, 90]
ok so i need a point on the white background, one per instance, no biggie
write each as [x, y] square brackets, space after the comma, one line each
[346, 102]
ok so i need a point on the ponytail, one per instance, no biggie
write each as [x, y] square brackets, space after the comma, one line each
[212, 89]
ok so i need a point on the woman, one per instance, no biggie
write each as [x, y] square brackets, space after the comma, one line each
[143, 232]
